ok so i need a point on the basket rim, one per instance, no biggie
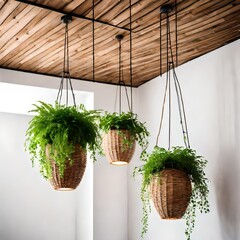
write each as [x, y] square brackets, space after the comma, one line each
[157, 174]
[119, 129]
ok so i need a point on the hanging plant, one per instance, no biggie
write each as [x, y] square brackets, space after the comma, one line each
[60, 131]
[173, 179]
[59, 136]
[170, 171]
[121, 133]
[122, 130]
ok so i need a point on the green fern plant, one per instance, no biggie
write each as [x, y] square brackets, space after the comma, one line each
[126, 121]
[182, 159]
[61, 127]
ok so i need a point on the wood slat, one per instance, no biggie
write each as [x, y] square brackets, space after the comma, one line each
[31, 39]
[2, 3]
[205, 27]
[7, 9]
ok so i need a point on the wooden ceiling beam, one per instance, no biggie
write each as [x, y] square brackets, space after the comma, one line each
[32, 39]
[35, 4]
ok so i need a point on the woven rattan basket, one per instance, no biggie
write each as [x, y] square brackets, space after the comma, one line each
[116, 152]
[171, 192]
[73, 173]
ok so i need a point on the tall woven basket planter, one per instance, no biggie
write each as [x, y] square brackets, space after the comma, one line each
[170, 192]
[73, 173]
[116, 151]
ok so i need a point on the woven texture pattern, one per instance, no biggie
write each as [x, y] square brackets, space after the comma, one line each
[114, 148]
[171, 192]
[73, 173]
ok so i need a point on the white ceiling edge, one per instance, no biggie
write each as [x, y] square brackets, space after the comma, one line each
[19, 99]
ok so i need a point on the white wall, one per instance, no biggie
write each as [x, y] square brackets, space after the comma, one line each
[110, 182]
[211, 88]
[29, 207]
[19, 99]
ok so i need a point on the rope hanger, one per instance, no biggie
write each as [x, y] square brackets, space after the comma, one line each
[121, 78]
[166, 9]
[66, 77]
[120, 73]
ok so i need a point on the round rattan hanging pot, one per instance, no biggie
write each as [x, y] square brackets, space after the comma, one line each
[73, 172]
[115, 148]
[170, 192]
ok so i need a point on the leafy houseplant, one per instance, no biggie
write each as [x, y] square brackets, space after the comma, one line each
[60, 131]
[179, 158]
[121, 132]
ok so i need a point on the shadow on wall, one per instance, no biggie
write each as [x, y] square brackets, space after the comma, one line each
[227, 177]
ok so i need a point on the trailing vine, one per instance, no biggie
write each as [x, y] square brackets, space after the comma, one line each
[61, 127]
[127, 121]
[182, 159]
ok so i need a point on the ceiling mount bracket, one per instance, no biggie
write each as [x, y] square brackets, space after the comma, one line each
[166, 8]
[119, 37]
[66, 18]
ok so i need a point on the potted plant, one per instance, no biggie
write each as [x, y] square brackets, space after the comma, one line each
[175, 181]
[58, 138]
[121, 132]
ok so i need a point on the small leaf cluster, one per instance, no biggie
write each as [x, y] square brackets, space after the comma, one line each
[61, 127]
[126, 121]
[179, 158]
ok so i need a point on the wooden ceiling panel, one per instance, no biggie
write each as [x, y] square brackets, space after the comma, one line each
[31, 38]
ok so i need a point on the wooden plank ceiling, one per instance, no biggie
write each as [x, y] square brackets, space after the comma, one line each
[31, 38]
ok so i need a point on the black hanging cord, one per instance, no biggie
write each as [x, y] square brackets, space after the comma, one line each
[170, 65]
[169, 108]
[67, 92]
[66, 72]
[167, 35]
[67, 50]
[66, 60]
[176, 31]
[160, 43]
[119, 76]
[181, 107]
[125, 87]
[126, 91]
[93, 40]
[131, 68]
[71, 87]
[182, 113]
[169, 86]
[59, 95]
[162, 112]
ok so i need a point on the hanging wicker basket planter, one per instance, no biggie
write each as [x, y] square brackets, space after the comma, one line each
[170, 192]
[115, 148]
[73, 172]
